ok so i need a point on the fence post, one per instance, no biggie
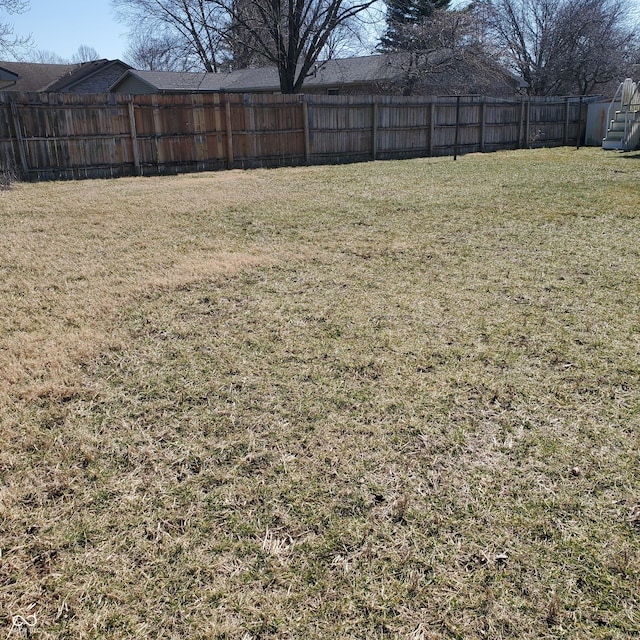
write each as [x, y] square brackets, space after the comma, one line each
[579, 133]
[432, 124]
[483, 127]
[22, 151]
[566, 122]
[521, 135]
[456, 135]
[227, 113]
[134, 138]
[374, 129]
[305, 125]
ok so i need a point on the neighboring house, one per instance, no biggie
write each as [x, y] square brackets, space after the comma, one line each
[348, 75]
[379, 74]
[86, 77]
[7, 78]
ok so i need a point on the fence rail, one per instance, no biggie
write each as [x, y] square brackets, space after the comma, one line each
[72, 136]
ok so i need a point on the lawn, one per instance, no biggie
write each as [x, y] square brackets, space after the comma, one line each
[384, 400]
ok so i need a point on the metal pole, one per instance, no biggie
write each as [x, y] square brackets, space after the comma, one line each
[374, 129]
[455, 142]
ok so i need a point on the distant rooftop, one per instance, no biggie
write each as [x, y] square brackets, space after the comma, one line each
[339, 72]
[34, 76]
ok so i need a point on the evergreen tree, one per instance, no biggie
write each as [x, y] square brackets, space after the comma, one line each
[401, 16]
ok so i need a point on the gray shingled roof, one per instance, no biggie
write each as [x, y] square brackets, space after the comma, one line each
[331, 73]
[8, 76]
[178, 81]
[33, 76]
[82, 72]
[359, 70]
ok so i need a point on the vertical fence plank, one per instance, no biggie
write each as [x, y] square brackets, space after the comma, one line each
[305, 127]
[17, 128]
[579, 127]
[134, 138]
[374, 129]
[229, 128]
[158, 128]
[483, 124]
[432, 125]
[457, 132]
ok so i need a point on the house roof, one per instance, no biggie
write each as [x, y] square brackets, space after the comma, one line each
[346, 71]
[330, 73]
[83, 72]
[171, 81]
[8, 76]
[357, 73]
[33, 76]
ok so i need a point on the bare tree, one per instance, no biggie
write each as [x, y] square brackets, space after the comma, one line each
[444, 52]
[349, 39]
[562, 46]
[251, 42]
[599, 42]
[85, 53]
[290, 34]
[43, 56]
[9, 42]
[157, 53]
[242, 42]
[192, 26]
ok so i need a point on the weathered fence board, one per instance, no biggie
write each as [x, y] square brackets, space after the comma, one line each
[65, 136]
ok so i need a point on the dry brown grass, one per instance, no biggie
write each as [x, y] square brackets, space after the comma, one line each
[384, 400]
[74, 253]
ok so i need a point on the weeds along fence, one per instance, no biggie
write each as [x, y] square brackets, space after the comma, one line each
[72, 136]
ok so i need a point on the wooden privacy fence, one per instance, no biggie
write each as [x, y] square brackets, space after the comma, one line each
[70, 136]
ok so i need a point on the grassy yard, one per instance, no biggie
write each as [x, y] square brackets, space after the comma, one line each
[386, 400]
